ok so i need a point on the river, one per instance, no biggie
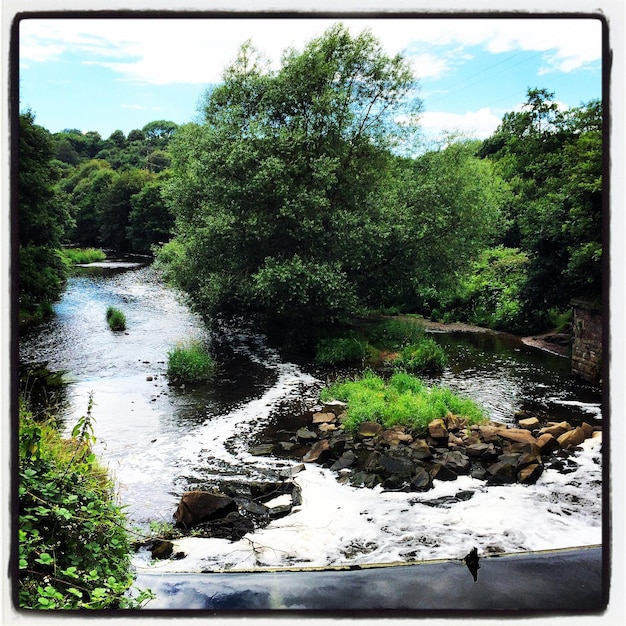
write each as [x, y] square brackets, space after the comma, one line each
[160, 440]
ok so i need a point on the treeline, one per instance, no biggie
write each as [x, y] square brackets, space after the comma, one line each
[292, 202]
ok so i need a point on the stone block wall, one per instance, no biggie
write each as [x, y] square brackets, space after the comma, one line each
[587, 346]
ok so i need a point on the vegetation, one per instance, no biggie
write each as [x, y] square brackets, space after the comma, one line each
[116, 319]
[405, 400]
[425, 357]
[190, 362]
[73, 544]
[78, 256]
[340, 350]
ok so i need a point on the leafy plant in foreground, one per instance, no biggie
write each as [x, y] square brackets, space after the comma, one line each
[73, 544]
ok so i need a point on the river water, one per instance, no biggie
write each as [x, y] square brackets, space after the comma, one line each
[160, 440]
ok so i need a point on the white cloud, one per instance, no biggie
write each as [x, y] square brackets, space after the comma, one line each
[476, 124]
[163, 51]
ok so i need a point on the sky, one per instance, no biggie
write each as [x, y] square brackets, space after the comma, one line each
[119, 74]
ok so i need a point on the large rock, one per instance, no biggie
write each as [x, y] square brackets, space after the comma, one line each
[316, 451]
[572, 438]
[324, 418]
[556, 430]
[458, 462]
[196, 507]
[529, 423]
[396, 465]
[437, 429]
[422, 480]
[530, 474]
[305, 434]
[369, 429]
[517, 434]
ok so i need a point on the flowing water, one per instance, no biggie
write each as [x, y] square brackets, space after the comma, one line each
[160, 440]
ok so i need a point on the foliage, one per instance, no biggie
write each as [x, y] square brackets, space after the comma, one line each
[116, 319]
[73, 546]
[275, 193]
[190, 362]
[393, 334]
[43, 218]
[552, 160]
[79, 256]
[404, 400]
[426, 357]
[338, 350]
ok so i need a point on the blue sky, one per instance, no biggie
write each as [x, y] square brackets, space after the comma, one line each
[105, 75]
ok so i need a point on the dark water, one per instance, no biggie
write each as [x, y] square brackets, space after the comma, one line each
[160, 439]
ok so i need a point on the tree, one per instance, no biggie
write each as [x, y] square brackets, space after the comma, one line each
[275, 194]
[552, 160]
[42, 217]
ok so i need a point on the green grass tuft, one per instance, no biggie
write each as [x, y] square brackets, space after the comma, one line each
[116, 319]
[78, 256]
[190, 363]
[338, 350]
[425, 357]
[405, 400]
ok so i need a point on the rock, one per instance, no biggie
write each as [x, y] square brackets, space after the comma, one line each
[421, 450]
[440, 471]
[421, 480]
[396, 465]
[149, 378]
[290, 472]
[556, 430]
[327, 428]
[316, 451]
[588, 428]
[456, 461]
[336, 407]
[547, 443]
[262, 450]
[479, 450]
[346, 460]
[517, 434]
[396, 435]
[530, 474]
[369, 429]
[437, 429]
[529, 423]
[572, 438]
[162, 549]
[453, 422]
[504, 472]
[324, 418]
[305, 434]
[364, 479]
[196, 507]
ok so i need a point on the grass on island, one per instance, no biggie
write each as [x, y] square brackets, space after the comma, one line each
[79, 256]
[190, 362]
[404, 400]
[116, 319]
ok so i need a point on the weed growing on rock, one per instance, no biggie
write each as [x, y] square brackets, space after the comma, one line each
[116, 319]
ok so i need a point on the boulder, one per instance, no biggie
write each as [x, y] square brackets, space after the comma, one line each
[530, 474]
[437, 429]
[443, 472]
[556, 430]
[305, 434]
[324, 418]
[517, 434]
[327, 428]
[453, 422]
[504, 472]
[479, 450]
[369, 429]
[420, 450]
[395, 465]
[422, 480]
[316, 451]
[572, 438]
[162, 549]
[529, 423]
[456, 461]
[346, 460]
[547, 443]
[588, 428]
[263, 449]
[196, 507]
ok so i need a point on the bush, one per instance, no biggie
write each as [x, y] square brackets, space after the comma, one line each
[190, 363]
[73, 546]
[426, 357]
[335, 351]
[116, 319]
[405, 400]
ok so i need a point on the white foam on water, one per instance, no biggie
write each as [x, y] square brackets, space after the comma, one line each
[338, 524]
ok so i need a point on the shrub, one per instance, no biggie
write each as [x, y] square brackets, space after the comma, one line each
[73, 545]
[116, 319]
[190, 363]
[405, 400]
[393, 334]
[425, 357]
[335, 351]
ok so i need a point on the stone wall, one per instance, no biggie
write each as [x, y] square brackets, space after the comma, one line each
[587, 346]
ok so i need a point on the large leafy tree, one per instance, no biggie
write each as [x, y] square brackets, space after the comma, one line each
[42, 217]
[553, 162]
[276, 194]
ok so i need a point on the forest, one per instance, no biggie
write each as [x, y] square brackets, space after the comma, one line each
[302, 198]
